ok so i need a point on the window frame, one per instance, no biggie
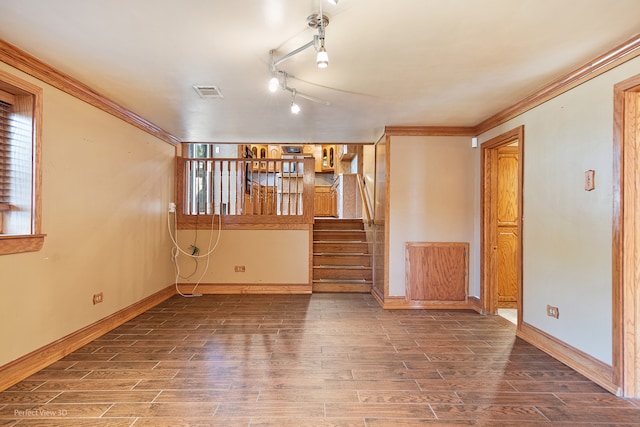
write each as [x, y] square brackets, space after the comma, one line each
[33, 241]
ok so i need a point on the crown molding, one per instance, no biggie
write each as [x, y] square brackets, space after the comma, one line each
[429, 131]
[620, 54]
[27, 63]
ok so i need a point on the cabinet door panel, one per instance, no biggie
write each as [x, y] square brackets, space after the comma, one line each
[437, 271]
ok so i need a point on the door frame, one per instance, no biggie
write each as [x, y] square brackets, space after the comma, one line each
[488, 220]
[626, 238]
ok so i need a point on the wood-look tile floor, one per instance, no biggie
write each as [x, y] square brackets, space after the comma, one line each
[309, 360]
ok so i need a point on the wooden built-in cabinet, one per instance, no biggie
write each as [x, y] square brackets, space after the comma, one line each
[437, 272]
[328, 157]
[325, 201]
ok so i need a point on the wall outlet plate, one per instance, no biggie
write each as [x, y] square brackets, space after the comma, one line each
[97, 298]
[552, 311]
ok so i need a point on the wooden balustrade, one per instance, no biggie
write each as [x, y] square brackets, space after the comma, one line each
[244, 191]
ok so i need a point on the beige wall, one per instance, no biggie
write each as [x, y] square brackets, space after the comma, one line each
[567, 235]
[432, 183]
[106, 186]
[269, 257]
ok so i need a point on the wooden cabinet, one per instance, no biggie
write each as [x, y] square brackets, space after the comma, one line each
[324, 201]
[328, 157]
[437, 272]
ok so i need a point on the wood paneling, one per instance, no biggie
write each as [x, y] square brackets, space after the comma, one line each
[437, 271]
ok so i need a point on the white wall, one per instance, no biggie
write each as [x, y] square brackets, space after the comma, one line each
[432, 185]
[567, 235]
[106, 186]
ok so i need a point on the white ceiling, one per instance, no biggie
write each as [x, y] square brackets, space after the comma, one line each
[392, 63]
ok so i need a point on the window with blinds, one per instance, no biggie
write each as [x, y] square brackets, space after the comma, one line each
[16, 166]
[20, 194]
[5, 152]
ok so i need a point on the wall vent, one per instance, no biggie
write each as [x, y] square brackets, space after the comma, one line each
[208, 91]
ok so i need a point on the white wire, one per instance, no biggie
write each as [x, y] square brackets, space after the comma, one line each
[175, 251]
[175, 243]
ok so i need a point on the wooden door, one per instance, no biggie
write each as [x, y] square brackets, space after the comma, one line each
[507, 226]
[501, 235]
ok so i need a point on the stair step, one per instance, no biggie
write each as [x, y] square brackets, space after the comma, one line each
[341, 286]
[341, 259]
[342, 273]
[340, 247]
[338, 224]
[358, 235]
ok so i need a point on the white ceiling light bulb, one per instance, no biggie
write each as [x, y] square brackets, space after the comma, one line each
[322, 59]
[273, 84]
[295, 108]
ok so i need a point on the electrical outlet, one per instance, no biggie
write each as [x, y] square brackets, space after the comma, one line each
[172, 207]
[552, 311]
[239, 269]
[97, 298]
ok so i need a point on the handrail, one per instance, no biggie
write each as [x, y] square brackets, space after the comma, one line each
[366, 199]
[244, 191]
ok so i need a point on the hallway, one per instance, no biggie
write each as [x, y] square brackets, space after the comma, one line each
[309, 360]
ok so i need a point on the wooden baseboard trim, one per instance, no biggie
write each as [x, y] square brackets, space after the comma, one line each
[244, 288]
[400, 303]
[378, 296]
[21, 368]
[597, 371]
[363, 288]
[475, 304]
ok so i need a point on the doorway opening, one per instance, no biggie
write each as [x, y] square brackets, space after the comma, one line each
[626, 238]
[501, 236]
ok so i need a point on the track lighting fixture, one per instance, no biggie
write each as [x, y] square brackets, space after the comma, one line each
[322, 58]
[316, 21]
[273, 84]
[295, 108]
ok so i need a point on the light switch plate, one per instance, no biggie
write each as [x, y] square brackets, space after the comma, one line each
[589, 180]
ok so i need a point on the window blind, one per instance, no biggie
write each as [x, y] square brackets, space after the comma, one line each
[5, 152]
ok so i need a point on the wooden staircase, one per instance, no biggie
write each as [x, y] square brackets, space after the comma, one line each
[341, 259]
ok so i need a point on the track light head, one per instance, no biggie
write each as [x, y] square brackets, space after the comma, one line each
[295, 108]
[274, 84]
[322, 58]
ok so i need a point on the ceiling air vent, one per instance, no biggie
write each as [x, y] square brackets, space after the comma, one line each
[208, 91]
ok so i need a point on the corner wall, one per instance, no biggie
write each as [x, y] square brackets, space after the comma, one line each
[567, 231]
[432, 182]
[106, 188]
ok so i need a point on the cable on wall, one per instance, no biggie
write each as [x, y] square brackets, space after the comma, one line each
[177, 250]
